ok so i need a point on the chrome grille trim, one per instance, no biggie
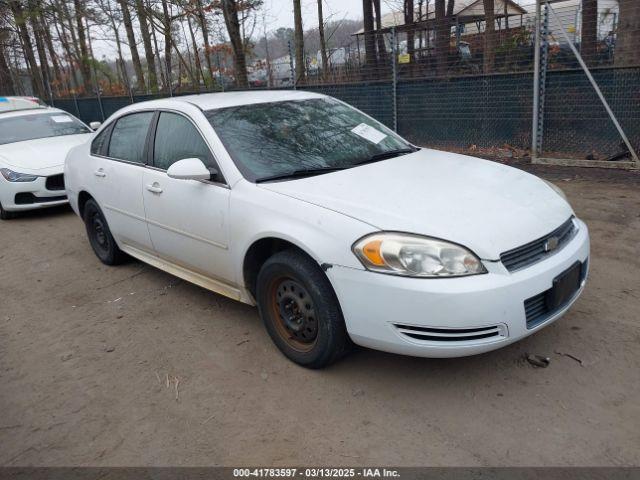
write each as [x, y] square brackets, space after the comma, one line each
[451, 335]
[535, 251]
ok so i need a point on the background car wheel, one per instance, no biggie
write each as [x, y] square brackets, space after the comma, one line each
[301, 311]
[100, 237]
[4, 215]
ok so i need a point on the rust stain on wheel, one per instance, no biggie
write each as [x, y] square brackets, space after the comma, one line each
[293, 313]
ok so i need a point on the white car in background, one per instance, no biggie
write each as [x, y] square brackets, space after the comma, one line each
[337, 228]
[19, 103]
[33, 145]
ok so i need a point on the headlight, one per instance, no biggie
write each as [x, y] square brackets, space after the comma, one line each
[415, 256]
[12, 176]
[556, 189]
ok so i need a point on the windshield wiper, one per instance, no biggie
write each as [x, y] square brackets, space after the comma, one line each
[386, 155]
[304, 172]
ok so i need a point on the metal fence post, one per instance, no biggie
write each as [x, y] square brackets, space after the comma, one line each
[394, 81]
[75, 103]
[291, 66]
[542, 80]
[536, 85]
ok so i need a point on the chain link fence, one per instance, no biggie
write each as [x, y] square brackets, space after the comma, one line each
[461, 84]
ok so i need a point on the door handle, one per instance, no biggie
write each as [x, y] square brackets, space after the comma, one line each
[100, 173]
[155, 188]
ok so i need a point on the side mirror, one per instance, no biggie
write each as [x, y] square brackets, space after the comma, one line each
[95, 125]
[189, 169]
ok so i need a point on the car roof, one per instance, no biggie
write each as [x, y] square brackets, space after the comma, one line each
[29, 111]
[211, 101]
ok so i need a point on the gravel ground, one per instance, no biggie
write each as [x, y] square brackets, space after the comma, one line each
[131, 366]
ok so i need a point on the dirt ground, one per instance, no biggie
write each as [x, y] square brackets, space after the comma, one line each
[90, 357]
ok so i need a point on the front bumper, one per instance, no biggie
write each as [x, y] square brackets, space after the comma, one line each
[477, 313]
[20, 196]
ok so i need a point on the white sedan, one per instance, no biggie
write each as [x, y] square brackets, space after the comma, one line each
[34, 143]
[338, 229]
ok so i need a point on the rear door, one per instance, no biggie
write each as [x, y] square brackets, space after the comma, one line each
[118, 165]
[187, 219]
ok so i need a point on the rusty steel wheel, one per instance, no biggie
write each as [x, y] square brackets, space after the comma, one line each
[294, 311]
[300, 310]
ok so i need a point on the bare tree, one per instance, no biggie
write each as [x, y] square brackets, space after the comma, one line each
[589, 41]
[299, 41]
[627, 51]
[27, 47]
[148, 48]
[131, 38]
[489, 36]
[230, 13]
[443, 30]
[323, 44]
[85, 60]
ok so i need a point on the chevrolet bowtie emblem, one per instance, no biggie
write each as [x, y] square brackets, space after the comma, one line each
[551, 244]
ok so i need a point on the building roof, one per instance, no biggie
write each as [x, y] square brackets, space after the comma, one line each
[462, 8]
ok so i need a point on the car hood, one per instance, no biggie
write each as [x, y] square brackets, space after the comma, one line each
[485, 206]
[40, 154]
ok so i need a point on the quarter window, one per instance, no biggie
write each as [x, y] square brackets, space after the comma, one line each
[97, 146]
[129, 137]
[176, 139]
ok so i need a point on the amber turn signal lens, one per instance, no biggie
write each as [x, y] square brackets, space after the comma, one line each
[371, 250]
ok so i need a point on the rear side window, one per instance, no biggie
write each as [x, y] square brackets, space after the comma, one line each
[176, 139]
[98, 144]
[129, 136]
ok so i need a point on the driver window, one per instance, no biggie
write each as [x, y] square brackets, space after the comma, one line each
[176, 139]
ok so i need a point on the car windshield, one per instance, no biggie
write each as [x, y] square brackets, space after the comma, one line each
[268, 140]
[43, 125]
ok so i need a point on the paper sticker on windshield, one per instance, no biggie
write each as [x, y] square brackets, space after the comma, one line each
[369, 133]
[61, 119]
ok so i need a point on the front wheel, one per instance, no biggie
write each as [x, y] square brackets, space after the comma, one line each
[100, 237]
[4, 215]
[300, 310]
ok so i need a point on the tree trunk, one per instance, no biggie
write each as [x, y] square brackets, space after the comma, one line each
[131, 38]
[323, 44]
[6, 82]
[451, 6]
[148, 49]
[589, 41]
[157, 53]
[442, 38]
[166, 31]
[196, 55]
[299, 41]
[57, 71]
[382, 49]
[230, 13]
[205, 37]
[369, 40]
[85, 60]
[409, 19]
[27, 46]
[627, 52]
[35, 13]
[489, 36]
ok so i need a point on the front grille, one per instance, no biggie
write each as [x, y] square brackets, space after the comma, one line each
[451, 335]
[25, 198]
[536, 309]
[55, 182]
[536, 251]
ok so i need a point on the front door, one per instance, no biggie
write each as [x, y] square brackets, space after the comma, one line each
[187, 219]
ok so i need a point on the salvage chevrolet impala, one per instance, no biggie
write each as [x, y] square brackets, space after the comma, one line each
[339, 230]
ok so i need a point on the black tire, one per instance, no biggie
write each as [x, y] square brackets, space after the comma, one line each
[100, 237]
[4, 215]
[301, 311]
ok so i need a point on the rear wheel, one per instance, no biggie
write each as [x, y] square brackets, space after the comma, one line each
[4, 215]
[300, 310]
[100, 237]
